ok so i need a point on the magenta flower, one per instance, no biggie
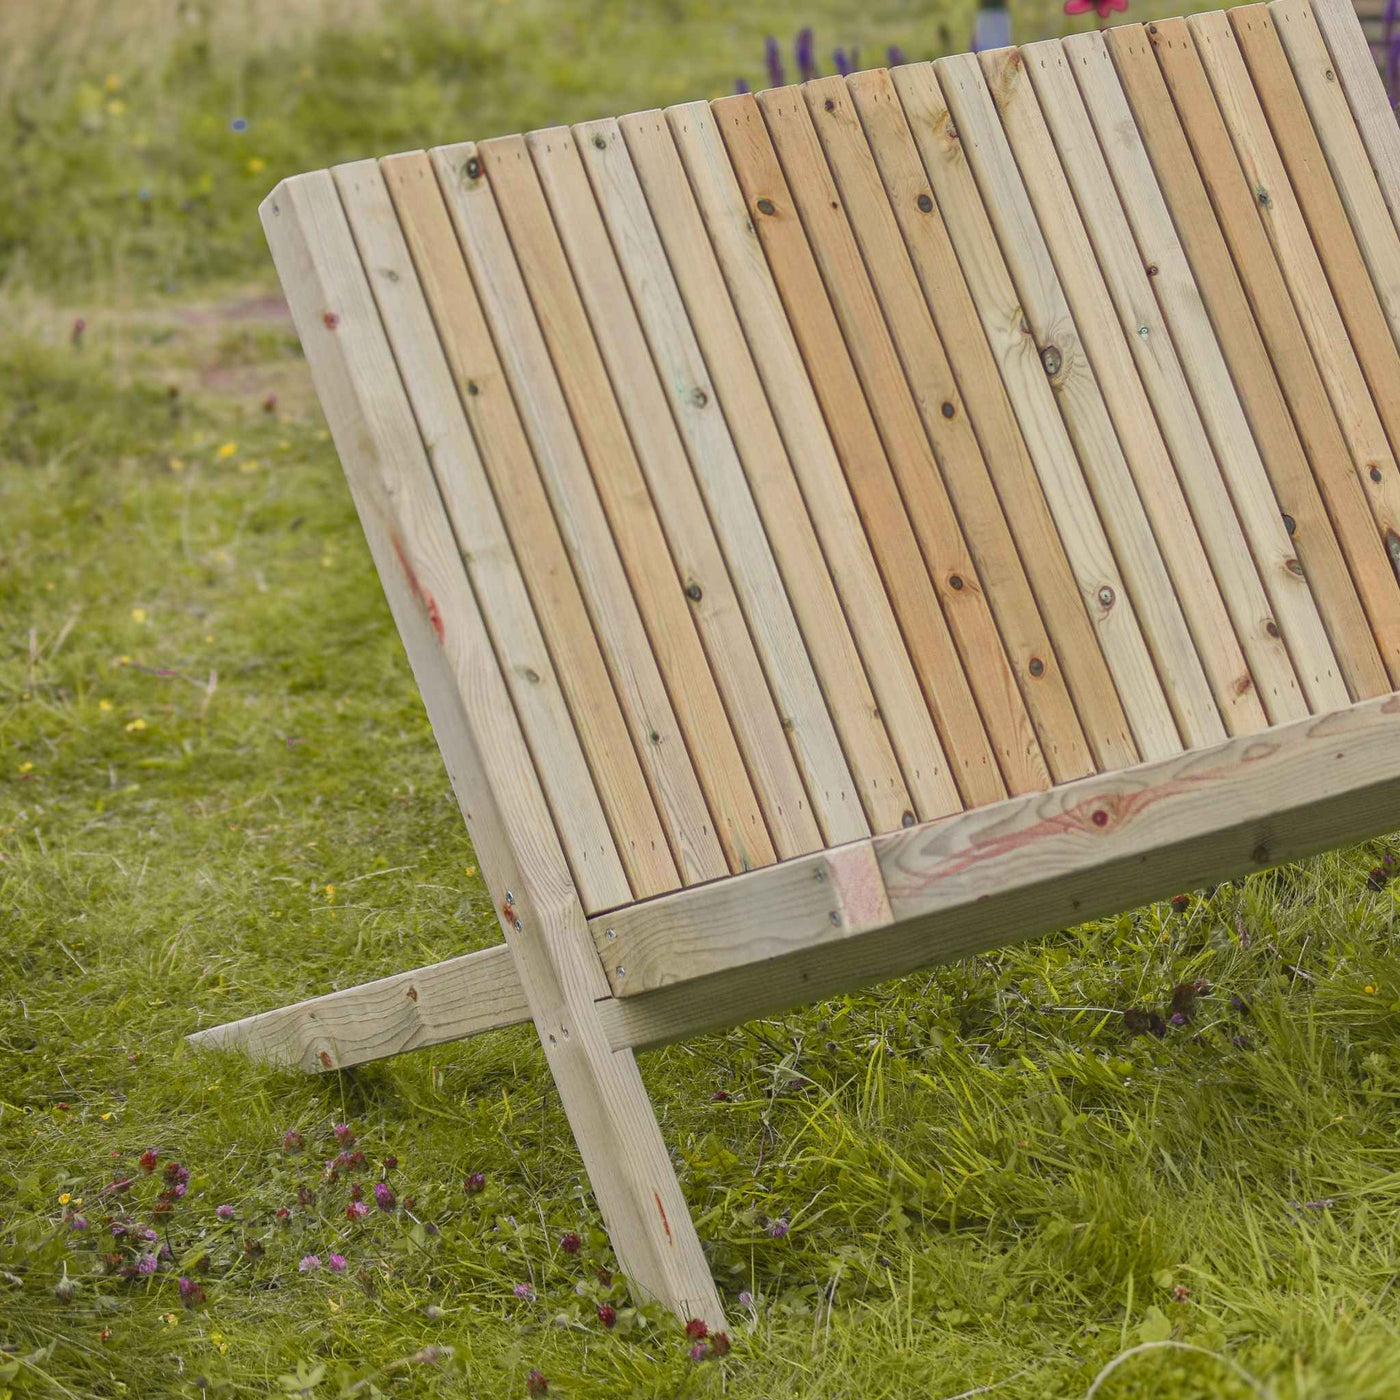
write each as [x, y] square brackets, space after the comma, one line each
[607, 1315]
[524, 1292]
[77, 1222]
[292, 1141]
[283, 1215]
[719, 1344]
[383, 1196]
[1103, 7]
[569, 1242]
[336, 1263]
[695, 1329]
[778, 1229]
[356, 1210]
[344, 1134]
[178, 1190]
[191, 1294]
[309, 1262]
[746, 1299]
[146, 1264]
[699, 1351]
[148, 1160]
[474, 1183]
[224, 1212]
[176, 1174]
[535, 1384]
[390, 1162]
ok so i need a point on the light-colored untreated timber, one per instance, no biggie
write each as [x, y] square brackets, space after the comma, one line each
[431, 1005]
[1033, 864]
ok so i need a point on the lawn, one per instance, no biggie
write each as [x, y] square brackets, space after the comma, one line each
[219, 793]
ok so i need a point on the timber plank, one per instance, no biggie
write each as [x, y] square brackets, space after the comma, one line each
[1166, 686]
[720, 617]
[617, 623]
[1062, 166]
[1066, 493]
[862, 455]
[1032, 864]
[657, 584]
[1095, 711]
[813, 457]
[502, 454]
[1260, 501]
[1270, 360]
[970, 498]
[742, 431]
[919, 471]
[425, 580]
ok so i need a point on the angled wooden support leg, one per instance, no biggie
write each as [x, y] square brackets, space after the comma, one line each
[513, 832]
[409, 1011]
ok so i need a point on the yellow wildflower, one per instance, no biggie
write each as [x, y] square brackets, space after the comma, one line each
[26, 767]
[227, 450]
[251, 465]
[135, 725]
[138, 614]
[1369, 988]
[255, 164]
[104, 704]
[64, 1199]
[116, 107]
[176, 465]
[113, 82]
[330, 894]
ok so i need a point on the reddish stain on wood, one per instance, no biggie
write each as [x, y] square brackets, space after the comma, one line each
[331, 320]
[665, 1224]
[424, 597]
[326, 1061]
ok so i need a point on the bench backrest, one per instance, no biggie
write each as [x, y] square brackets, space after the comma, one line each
[840, 458]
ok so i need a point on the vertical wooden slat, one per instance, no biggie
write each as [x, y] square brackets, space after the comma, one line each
[709, 422]
[918, 482]
[1111, 300]
[504, 455]
[998, 307]
[487, 760]
[505, 605]
[947, 298]
[1259, 501]
[1322, 211]
[1177, 671]
[1215, 216]
[931, 391]
[685, 526]
[813, 457]
[579, 514]
[1345, 152]
[1355, 65]
[809, 312]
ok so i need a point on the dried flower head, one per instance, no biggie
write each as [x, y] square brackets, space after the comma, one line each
[292, 1141]
[696, 1328]
[535, 1384]
[570, 1242]
[148, 1160]
[474, 1183]
[607, 1315]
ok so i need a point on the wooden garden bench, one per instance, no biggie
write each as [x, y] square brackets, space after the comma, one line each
[838, 530]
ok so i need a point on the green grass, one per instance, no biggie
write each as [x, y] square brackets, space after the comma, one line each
[219, 792]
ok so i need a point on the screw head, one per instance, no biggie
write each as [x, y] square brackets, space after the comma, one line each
[1051, 359]
[599, 144]
[1144, 332]
[1107, 596]
[472, 169]
[621, 971]
[610, 935]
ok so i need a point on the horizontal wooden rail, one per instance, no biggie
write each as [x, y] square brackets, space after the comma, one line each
[753, 944]
[409, 1011]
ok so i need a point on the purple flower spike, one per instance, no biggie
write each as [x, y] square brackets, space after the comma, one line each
[842, 61]
[146, 1264]
[77, 1222]
[895, 57]
[224, 1212]
[806, 59]
[524, 1292]
[742, 85]
[336, 1263]
[191, 1293]
[778, 1229]
[699, 1351]
[773, 57]
[309, 1262]
[746, 1299]
[1177, 1019]
[356, 1210]
[383, 1196]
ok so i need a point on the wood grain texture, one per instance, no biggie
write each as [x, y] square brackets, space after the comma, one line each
[1017, 358]
[549, 730]
[1046, 861]
[1294, 611]
[1355, 65]
[1160, 682]
[1057, 748]
[798, 904]
[683, 380]
[1342, 146]
[432, 1005]
[1240, 280]
[1061, 163]
[657, 582]
[971, 755]
[742, 423]
[534, 540]
[1323, 211]
[812, 455]
[578, 513]
[720, 618]
[410, 538]
[945, 295]
[922, 461]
